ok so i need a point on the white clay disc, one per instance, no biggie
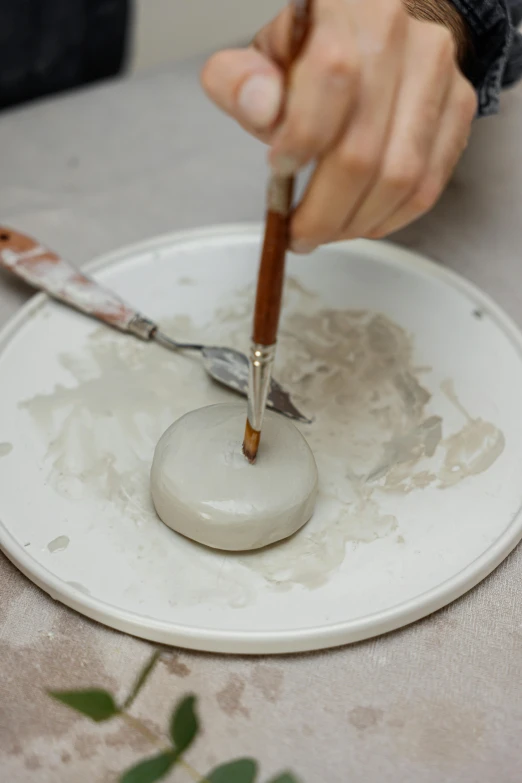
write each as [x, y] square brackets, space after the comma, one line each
[203, 487]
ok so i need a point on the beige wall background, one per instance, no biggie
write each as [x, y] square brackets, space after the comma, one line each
[168, 30]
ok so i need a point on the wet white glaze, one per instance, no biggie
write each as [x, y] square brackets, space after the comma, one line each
[203, 487]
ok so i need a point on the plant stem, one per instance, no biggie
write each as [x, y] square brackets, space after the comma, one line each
[160, 743]
[192, 772]
[144, 730]
[142, 679]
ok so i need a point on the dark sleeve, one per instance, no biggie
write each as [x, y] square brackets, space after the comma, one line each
[497, 47]
[513, 70]
[52, 45]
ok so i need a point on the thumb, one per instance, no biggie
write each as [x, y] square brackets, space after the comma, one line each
[246, 85]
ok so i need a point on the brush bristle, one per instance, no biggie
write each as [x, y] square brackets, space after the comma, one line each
[251, 443]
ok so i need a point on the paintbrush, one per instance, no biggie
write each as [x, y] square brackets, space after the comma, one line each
[272, 268]
[45, 270]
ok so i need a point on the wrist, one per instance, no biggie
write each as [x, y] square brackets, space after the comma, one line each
[443, 12]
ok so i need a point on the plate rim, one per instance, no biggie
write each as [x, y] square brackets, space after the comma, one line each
[271, 642]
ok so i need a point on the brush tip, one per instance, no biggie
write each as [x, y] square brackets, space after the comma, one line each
[248, 455]
[251, 443]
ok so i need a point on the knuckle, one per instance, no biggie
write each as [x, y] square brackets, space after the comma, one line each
[258, 40]
[337, 63]
[429, 116]
[357, 159]
[427, 195]
[438, 44]
[403, 174]
[211, 73]
[394, 18]
[302, 138]
[466, 102]
[206, 73]
[444, 45]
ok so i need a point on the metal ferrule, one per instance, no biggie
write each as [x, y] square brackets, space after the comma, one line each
[141, 327]
[260, 374]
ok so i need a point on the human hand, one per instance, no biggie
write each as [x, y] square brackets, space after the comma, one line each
[377, 100]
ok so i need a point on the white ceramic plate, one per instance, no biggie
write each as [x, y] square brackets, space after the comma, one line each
[415, 381]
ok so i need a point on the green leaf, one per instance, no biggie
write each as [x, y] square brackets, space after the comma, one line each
[96, 704]
[151, 769]
[142, 679]
[184, 724]
[239, 771]
[285, 777]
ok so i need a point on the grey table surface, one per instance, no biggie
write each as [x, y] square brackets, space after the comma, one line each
[437, 701]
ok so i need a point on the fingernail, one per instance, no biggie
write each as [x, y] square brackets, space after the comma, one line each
[285, 165]
[260, 99]
[302, 247]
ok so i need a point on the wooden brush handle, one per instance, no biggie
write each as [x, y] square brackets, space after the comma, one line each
[271, 273]
[43, 269]
[279, 204]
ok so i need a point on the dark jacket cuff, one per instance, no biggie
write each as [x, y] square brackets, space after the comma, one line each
[493, 34]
